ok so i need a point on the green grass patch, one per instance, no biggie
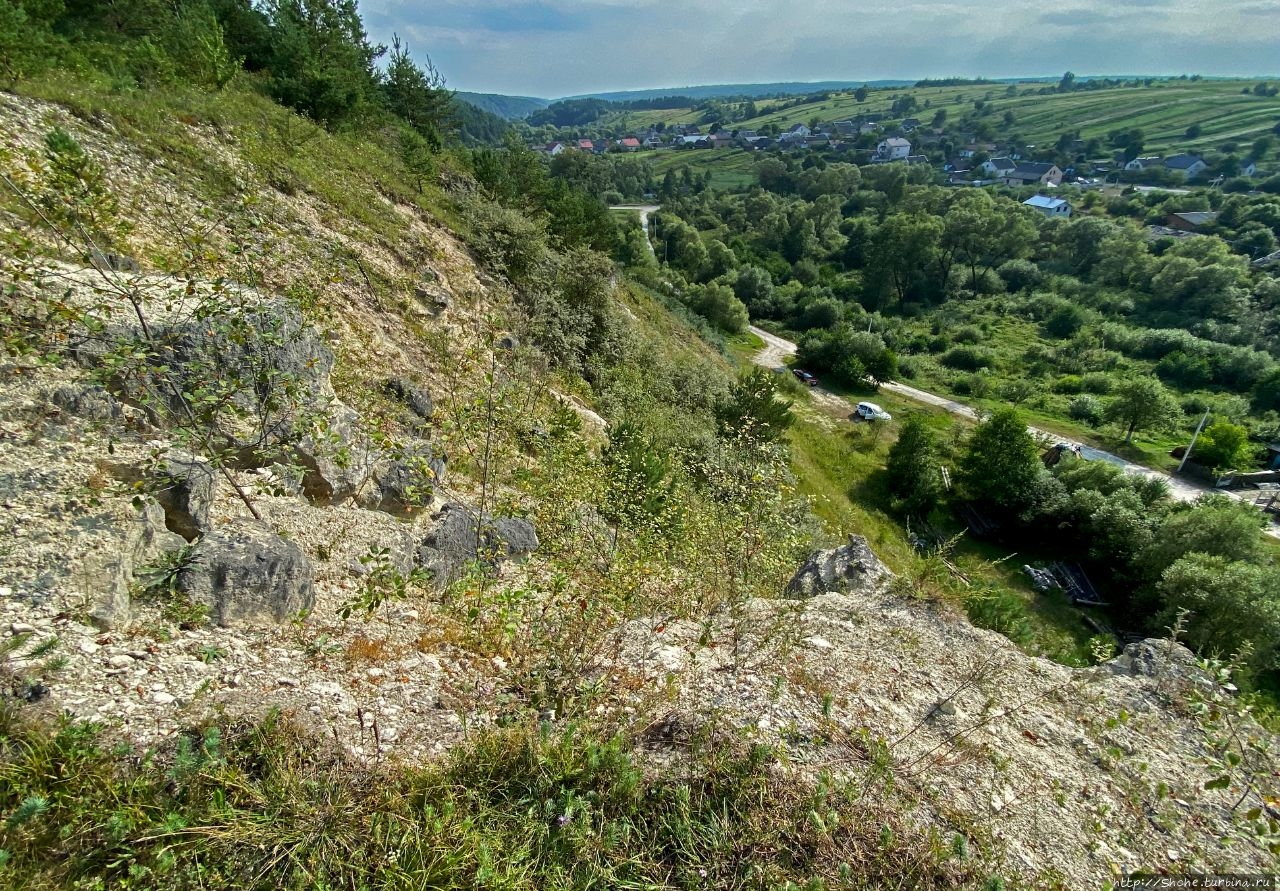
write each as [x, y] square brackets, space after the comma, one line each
[264, 805]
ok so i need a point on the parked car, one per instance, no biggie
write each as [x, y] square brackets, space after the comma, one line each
[805, 377]
[869, 411]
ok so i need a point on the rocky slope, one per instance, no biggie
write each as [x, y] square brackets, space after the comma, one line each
[138, 591]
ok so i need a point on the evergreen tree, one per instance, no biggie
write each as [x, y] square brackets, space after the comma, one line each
[913, 467]
[418, 94]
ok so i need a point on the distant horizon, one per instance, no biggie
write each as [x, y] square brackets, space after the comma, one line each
[562, 48]
[871, 82]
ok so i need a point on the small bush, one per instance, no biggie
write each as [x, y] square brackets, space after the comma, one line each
[1002, 611]
[968, 334]
[1098, 383]
[1086, 409]
[967, 358]
[1069, 383]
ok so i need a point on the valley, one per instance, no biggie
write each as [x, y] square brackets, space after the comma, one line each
[407, 489]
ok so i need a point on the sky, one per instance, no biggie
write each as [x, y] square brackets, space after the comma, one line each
[554, 48]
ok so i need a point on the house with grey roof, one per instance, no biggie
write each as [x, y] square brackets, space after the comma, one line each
[1185, 166]
[895, 148]
[1055, 208]
[1030, 173]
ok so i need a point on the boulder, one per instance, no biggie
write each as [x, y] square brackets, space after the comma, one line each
[849, 569]
[110, 262]
[276, 371]
[435, 298]
[247, 574]
[1155, 658]
[108, 572]
[463, 536]
[402, 486]
[338, 461]
[414, 397]
[185, 491]
[89, 402]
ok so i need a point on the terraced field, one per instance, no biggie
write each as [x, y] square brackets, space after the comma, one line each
[730, 168]
[1164, 110]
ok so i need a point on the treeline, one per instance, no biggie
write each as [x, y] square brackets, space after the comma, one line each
[313, 56]
[1151, 557]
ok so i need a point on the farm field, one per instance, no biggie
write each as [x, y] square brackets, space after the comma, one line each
[1164, 110]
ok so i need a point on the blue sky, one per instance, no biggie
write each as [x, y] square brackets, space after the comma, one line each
[553, 48]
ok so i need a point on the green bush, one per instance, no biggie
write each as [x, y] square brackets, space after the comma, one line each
[1086, 409]
[967, 358]
[1001, 610]
[1097, 382]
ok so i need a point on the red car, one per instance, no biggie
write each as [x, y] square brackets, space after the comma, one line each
[805, 377]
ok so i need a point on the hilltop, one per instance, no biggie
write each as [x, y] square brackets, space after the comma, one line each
[376, 514]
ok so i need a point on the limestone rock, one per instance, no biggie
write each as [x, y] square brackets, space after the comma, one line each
[246, 574]
[403, 486]
[1155, 658]
[850, 569]
[414, 397]
[108, 573]
[463, 536]
[186, 493]
[92, 403]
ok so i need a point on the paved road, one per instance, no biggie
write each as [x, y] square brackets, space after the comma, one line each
[777, 350]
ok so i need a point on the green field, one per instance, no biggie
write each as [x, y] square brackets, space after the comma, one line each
[1164, 110]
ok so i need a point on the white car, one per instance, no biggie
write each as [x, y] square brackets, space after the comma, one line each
[869, 411]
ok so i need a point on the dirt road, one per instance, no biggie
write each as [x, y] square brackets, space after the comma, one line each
[777, 350]
[644, 210]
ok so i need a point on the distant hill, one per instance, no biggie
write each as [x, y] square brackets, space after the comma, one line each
[712, 91]
[511, 108]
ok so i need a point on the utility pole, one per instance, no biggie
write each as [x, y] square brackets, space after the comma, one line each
[1194, 437]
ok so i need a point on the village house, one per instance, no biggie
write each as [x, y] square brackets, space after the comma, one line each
[1050, 207]
[1144, 163]
[629, 144]
[998, 167]
[653, 141]
[909, 124]
[895, 148]
[554, 148]
[1185, 166]
[1030, 173]
[586, 145]
[797, 133]
[1190, 220]
[692, 140]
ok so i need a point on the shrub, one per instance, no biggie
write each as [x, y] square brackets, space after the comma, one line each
[1065, 320]
[967, 358]
[1184, 370]
[1020, 275]
[968, 334]
[1086, 409]
[1069, 383]
[1097, 382]
[915, 478]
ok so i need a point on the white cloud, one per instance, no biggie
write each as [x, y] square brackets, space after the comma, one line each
[560, 47]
